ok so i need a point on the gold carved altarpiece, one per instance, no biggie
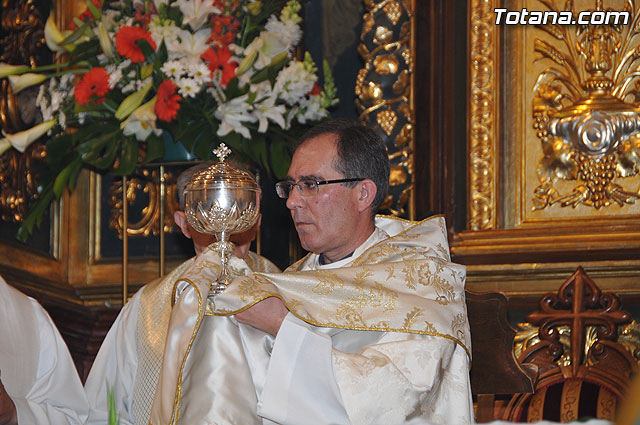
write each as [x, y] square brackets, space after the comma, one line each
[553, 150]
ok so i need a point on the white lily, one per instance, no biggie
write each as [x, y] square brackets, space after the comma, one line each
[196, 12]
[233, 114]
[142, 121]
[53, 37]
[267, 110]
[22, 81]
[268, 45]
[6, 69]
[21, 140]
[189, 44]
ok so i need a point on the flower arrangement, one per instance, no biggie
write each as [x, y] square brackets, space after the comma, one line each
[139, 74]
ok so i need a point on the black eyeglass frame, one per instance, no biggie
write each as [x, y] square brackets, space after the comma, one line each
[280, 184]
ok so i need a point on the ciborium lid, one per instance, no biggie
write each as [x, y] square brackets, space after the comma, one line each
[222, 175]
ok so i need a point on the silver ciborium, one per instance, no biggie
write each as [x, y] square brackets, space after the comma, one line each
[222, 200]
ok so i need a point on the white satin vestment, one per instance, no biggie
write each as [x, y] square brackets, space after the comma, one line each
[131, 354]
[35, 365]
[229, 373]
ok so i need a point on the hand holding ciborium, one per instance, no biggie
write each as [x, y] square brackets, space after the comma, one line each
[222, 200]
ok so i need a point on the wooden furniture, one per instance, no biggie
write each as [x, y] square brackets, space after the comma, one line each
[495, 372]
[584, 370]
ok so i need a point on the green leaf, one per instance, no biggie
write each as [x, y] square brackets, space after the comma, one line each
[61, 181]
[97, 14]
[128, 157]
[280, 158]
[161, 56]
[58, 148]
[202, 148]
[77, 33]
[147, 50]
[73, 176]
[36, 211]
[100, 151]
[155, 148]
[191, 133]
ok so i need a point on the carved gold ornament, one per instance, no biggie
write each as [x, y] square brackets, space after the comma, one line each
[22, 42]
[383, 90]
[147, 184]
[482, 128]
[586, 111]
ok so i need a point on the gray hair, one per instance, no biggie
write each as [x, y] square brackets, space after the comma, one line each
[361, 154]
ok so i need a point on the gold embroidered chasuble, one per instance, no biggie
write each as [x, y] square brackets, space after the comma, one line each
[404, 283]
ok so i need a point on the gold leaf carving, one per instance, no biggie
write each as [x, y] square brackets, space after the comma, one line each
[482, 119]
[401, 86]
[387, 121]
[583, 114]
[404, 136]
[397, 176]
[383, 90]
[371, 93]
[146, 183]
[383, 35]
[393, 11]
[386, 64]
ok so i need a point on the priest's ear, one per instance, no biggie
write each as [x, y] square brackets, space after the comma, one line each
[366, 194]
[181, 221]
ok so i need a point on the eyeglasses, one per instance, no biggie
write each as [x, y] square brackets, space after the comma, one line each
[306, 187]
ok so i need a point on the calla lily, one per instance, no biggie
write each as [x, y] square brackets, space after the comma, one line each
[54, 37]
[6, 69]
[20, 141]
[21, 82]
[105, 41]
[132, 102]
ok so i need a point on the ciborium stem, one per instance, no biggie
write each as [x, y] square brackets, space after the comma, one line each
[224, 248]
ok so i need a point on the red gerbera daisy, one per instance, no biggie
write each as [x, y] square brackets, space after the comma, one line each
[126, 42]
[93, 83]
[219, 60]
[167, 105]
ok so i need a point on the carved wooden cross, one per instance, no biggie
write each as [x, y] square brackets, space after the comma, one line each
[578, 303]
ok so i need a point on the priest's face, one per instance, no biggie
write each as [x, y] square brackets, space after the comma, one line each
[325, 221]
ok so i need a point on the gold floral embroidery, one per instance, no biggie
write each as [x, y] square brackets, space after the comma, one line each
[327, 281]
[411, 318]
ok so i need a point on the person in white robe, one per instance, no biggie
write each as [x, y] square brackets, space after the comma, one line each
[130, 356]
[39, 383]
[369, 328]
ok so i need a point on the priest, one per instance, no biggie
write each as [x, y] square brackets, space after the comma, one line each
[130, 357]
[369, 328]
[39, 383]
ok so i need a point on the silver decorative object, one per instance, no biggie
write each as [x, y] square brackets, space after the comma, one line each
[222, 200]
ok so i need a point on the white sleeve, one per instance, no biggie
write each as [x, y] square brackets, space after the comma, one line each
[401, 379]
[56, 397]
[300, 387]
[116, 364]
